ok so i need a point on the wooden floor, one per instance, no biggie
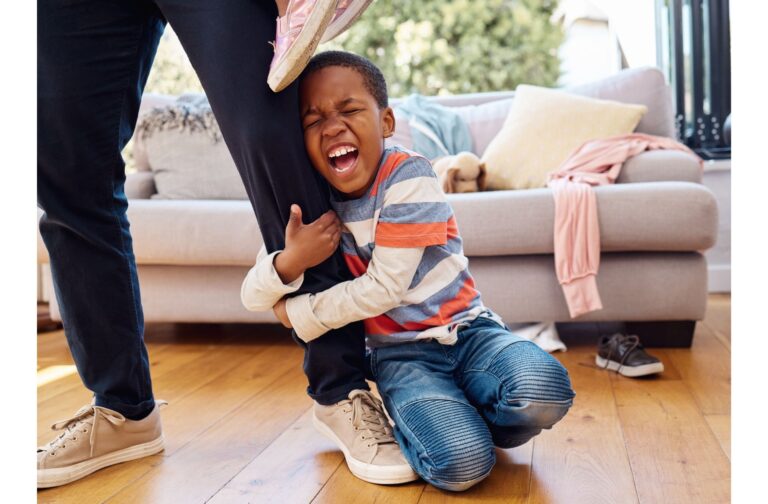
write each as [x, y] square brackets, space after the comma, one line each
[238, 428]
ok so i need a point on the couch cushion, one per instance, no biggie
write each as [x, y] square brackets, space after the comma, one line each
[183, 147]
[643, 86]
[485, 112]
[544, 127]
[654, 216]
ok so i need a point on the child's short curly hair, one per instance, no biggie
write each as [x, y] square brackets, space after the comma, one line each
[372, 76]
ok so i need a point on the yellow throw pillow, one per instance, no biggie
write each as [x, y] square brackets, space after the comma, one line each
[544, 127]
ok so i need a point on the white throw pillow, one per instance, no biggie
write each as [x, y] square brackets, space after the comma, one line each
[544, 127]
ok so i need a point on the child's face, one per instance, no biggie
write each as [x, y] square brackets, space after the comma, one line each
[339, 114]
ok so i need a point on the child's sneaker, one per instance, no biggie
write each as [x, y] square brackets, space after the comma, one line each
[361, 430]
[625, 355]
[95, 438]
[347, 12]
[297, 37]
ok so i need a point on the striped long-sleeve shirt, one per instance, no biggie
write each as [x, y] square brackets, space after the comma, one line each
[402, 243]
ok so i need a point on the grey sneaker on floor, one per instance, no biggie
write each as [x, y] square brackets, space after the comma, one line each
[625, 354]
[95, 438]
[361, 430]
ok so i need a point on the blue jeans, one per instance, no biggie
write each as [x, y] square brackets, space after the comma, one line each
[94, 57]
[452, 404]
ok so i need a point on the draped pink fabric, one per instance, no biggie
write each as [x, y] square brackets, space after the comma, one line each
[577, 231]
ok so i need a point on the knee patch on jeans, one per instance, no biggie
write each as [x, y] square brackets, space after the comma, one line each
[457, 444]
[528, 373]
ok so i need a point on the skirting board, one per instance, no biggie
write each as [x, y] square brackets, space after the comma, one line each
[719, 277]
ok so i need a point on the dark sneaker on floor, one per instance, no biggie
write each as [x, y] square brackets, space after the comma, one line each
[625, 354]
[95, 438]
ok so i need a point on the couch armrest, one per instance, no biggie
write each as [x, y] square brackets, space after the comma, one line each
[140, 185]
[661, 166]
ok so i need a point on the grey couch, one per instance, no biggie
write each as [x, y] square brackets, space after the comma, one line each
[655, 222]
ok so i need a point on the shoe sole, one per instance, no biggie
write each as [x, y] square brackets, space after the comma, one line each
[381, 475]
[345, 21]
[48, 478]
[304, 46]
[630, 371]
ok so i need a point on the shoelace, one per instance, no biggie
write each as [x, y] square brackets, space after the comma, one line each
[632, 339]
[79, 423]
[368, 414]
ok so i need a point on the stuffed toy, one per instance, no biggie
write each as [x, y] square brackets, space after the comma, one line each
[463, 172]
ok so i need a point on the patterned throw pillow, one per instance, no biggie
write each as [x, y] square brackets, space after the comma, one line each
[183, 147]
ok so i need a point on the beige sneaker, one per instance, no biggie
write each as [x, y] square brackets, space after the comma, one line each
[360, 428]
[95, 438]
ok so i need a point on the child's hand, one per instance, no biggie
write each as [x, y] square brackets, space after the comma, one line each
[307, 245]
[282, 314]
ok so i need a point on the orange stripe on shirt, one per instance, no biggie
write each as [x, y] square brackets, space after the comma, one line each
[466, 294]
[393, 160]
[393, 234]
[356, 266]
[382, 325]
[453, 228]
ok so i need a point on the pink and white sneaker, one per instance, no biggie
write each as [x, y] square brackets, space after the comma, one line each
[298, 34]
[347, 12]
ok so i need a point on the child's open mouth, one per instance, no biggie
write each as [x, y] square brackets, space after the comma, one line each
[343, 159]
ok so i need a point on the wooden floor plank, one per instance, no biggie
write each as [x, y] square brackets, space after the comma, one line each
[198, 470]
[509, 483]
[674, 455]
[195, 420]
[706, 370]
[208, 398]
[178, 374]
[71, 379]
[343, 487]
[721, 427]
[582, 459]
[238, 428]
[293, 468]
[719, 317]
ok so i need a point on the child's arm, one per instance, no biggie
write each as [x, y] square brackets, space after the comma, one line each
[282, 271]
[415, 214]
[380, 289]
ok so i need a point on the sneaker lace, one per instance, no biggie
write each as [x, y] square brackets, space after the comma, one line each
[368, 413]
[633, 342]
[87, 416]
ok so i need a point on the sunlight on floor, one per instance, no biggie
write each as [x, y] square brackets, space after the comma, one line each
[53, 373]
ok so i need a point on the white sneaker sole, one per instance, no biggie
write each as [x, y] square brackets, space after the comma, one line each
[304, 46]
[48, 478]
[630, 371]
[381, 475]
[340, 25]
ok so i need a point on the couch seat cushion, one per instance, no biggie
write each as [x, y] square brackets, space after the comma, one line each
[652, 216]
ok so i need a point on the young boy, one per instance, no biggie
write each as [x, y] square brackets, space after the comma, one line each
[454, 379]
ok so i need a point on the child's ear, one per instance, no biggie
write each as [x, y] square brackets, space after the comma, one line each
[388, 122]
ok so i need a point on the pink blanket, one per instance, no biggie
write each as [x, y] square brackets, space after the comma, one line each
[577, 233]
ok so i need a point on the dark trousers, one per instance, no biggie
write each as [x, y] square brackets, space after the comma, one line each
[94, 57]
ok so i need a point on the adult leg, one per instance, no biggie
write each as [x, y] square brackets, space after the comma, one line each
[518, 388]
[441, 434]
[227, 42]
[93, 61]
